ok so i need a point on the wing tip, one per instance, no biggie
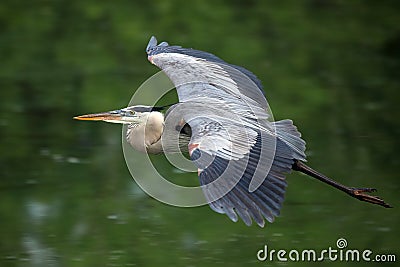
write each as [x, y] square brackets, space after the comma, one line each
[152, 43]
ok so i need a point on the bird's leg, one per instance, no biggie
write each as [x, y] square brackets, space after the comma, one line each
[359, 193]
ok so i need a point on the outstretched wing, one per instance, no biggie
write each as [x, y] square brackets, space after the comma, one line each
[241, 155]
[264, 202]
[211, 88]
[226, 182]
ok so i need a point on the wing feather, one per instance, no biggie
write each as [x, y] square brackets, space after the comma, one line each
[231, 135]
[265, 202]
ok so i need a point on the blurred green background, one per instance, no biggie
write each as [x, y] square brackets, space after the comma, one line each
[66, 196]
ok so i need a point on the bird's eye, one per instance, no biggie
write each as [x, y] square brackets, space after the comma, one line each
[131, 112]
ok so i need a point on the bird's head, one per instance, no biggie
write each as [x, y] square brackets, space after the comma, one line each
[130, 115]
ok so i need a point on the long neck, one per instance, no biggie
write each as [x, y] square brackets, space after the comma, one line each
[146, 136]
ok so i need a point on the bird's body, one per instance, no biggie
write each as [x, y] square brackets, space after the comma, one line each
[223, 120]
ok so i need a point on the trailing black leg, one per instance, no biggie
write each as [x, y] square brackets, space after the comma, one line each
[359, 193]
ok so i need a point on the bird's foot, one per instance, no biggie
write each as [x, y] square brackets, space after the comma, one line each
[360, 193]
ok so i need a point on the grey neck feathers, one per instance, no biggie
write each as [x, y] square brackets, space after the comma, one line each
[146, 136]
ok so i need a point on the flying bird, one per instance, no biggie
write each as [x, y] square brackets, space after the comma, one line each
[223, 121]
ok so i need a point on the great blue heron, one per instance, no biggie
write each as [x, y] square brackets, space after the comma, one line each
[207, 85]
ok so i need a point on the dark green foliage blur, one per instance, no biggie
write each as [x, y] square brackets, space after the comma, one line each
[66, 196]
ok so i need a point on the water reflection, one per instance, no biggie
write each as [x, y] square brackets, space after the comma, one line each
[64, 213]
